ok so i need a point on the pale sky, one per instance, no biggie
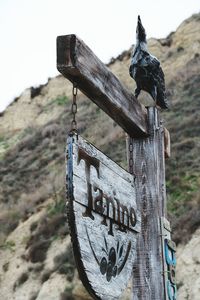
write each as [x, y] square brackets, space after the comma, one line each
[28, 30]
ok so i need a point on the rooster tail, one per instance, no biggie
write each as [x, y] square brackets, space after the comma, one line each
[162, 101]
[140, 32]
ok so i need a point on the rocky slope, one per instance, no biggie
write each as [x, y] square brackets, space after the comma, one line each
[35, 254]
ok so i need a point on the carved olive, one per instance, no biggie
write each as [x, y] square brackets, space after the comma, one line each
[114, 273]
[103, 265]
[109, 271]
[112, 256]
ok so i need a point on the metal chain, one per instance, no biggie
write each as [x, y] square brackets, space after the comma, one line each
[130, 157]
[130, 146]
[74, 107]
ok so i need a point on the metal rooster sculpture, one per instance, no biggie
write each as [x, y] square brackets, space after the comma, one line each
[146, 71]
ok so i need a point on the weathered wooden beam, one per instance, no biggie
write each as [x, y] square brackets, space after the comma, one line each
[77, 62]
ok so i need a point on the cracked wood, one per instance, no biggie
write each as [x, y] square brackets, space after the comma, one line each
[77, 62]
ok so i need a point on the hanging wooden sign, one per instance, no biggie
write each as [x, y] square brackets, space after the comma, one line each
[103, 219]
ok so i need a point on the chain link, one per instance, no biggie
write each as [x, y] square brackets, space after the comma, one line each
[74, 107]
[130, 149]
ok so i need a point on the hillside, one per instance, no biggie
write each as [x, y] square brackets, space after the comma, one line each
[35, 253]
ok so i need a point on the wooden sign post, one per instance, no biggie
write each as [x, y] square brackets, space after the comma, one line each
[149, 167]
[153, 264]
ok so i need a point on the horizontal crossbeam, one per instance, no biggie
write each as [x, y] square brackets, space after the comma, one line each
[77, 62]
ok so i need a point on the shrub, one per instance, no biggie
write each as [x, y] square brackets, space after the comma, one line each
[46, 275]
[67, 294]
[23, 278]
[64, 263]
[34, 296]
[38, 250]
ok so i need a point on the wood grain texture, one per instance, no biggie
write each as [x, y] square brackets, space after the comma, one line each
[77, 62]
[101, 202]
[149, 169]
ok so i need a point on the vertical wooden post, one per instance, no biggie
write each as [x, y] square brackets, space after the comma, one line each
[149, 169]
